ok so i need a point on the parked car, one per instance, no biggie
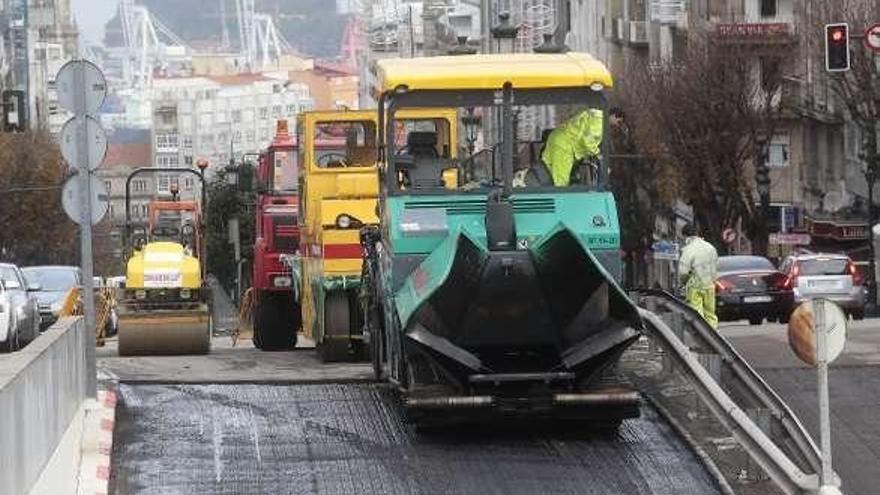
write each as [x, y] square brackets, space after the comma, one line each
[751, 288]
[55, 282]
[829, 276]
[19, 314]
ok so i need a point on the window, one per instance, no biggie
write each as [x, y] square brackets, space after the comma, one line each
[223, 137]
[768, 8]
[188, 160]
[188, 183]
[164, 184]
[167, 161]
[135, 211]
[236, 116]
[291, 110]
[139, 185]
[166, 141]
[187, 142]
[107, 185]
[356, 140]
[778, 151]
[236, 137]
[264, 112]
[276, 111]
[771, 73]
[250, 136]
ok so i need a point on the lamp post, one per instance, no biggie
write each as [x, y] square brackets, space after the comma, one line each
[870, 179]
[471, 122]
[762, 183]
[504, 33]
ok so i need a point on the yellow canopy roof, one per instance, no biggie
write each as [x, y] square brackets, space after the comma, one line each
[523, 70]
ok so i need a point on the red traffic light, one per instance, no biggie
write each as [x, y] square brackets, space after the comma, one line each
[837, 47]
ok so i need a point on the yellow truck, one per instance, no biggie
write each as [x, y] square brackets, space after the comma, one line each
[339, 187]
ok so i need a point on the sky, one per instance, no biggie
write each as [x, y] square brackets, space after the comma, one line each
[91, 15]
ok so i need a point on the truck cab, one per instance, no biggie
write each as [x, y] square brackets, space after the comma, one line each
[276, 316]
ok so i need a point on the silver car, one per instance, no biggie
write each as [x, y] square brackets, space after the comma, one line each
[19, 313]
[827, 276]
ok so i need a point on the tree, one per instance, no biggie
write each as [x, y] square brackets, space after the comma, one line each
[859, 88]
[35, 229]
[705, 117]
[225, 202]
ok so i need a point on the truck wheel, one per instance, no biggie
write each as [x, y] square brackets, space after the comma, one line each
[337, 323]
[276, 322]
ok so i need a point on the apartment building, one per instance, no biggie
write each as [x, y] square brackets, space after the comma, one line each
[815, 172]
[39, 36]
[216, 118]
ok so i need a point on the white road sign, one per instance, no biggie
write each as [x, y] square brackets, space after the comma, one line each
[95, 86]
[70, 199]
[803, 331]
[96, 136]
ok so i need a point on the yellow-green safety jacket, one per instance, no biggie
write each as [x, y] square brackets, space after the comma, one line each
[698, 266]
[578, 137]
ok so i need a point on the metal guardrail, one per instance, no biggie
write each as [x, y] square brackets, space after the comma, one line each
[792, 459]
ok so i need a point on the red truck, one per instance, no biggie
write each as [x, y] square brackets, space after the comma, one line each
[275, 317]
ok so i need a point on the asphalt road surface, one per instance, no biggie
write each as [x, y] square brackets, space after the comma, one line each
[854, 392]
[349, 438]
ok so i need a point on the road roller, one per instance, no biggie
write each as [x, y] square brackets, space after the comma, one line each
[165, 306]
[496, 293]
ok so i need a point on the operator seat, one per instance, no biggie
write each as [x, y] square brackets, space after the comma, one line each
[420, 161]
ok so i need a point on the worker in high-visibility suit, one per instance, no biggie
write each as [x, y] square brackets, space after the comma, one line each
[577, 138]
[698, 271]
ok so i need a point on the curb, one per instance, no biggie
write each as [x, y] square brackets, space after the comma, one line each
[97, 446]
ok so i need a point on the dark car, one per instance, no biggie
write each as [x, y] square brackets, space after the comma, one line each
[749, 287]
[55, 282]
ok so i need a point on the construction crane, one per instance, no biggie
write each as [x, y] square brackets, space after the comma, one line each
[262, 44]
[148, 43]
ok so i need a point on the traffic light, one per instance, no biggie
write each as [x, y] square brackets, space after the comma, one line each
[837, 47]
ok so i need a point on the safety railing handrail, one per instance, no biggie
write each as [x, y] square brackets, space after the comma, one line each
[768, 454]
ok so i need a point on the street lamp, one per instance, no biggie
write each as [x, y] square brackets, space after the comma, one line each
[871, 178]
[472, 123]
[762, 183]
[504, 33]
[231, 172]
[462, 47]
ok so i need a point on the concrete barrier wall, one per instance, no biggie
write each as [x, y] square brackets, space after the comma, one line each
[42, 388]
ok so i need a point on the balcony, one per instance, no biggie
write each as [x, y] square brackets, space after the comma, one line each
[756, 31]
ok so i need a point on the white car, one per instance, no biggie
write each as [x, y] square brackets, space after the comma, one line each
[19, 313]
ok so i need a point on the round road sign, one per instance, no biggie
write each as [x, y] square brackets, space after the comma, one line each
[872, 37]
[93, 84]
[802, 331]
[72, 202]
[96, 137]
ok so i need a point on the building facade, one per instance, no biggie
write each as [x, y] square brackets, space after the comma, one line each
[217, 118]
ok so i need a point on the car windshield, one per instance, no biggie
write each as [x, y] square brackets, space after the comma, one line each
[738, 263]
[823, 266]
[7, 274]
[52, 280]
[514, 139]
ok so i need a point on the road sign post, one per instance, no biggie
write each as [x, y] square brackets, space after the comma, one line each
[817, 335]
[82, 89]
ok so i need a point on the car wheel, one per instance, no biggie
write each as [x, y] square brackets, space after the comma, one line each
[756, 321]
[783, 318]
[858, 315]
